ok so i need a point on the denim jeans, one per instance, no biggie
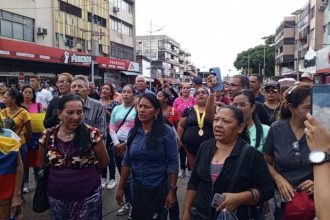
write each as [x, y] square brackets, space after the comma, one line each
[128, 186]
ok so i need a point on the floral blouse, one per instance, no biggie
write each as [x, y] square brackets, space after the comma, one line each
[77, 159]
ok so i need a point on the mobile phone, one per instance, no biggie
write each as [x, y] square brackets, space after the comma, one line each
[321, 104]
[217, 73]
[217, 200]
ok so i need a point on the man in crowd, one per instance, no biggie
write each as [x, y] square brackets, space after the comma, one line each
[94, 111]
[166, 85]
[92, 93]
[255, 86]
[43, 95]
[197, 82]
[273, 100]
[238, 83]
[141, 85]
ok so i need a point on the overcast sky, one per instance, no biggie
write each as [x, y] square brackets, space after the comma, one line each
[214, 31]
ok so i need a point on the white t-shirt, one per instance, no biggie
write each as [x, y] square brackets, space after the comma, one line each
[44, 97]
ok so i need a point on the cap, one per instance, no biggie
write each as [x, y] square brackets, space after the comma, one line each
[197, 80]
[307, 75]
[272, 84]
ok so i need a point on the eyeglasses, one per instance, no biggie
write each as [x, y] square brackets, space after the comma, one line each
[297, 153]
[271, 90]
[200, 93]
[234, 85]
[240, 104]
[62, 82]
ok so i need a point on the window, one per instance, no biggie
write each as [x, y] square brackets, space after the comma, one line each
[97, 20]
[121, 51]
[16, 26]
[70, 9]
[120, 26]
[288, 41]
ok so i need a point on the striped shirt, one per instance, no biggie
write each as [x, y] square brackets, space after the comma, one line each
[94, 113]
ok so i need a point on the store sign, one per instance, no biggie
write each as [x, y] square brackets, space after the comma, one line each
[74, 58]
[134, 67]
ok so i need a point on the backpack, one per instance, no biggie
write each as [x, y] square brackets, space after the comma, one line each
[10, 123]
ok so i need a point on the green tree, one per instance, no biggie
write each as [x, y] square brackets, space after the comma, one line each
[255, 56]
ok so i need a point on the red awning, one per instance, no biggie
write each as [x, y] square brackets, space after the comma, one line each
[14, 49]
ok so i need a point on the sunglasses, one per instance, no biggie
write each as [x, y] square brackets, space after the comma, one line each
[271, 90]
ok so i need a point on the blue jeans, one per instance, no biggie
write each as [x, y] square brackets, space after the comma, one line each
[128, 186]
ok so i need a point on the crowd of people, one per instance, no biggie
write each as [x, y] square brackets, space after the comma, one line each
[246, 149]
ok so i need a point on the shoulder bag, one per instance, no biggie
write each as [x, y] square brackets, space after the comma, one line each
[121, 124]
[40, 198]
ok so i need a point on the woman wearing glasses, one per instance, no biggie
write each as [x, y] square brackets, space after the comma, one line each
[195, 126]
[246, 102]
[286, 149]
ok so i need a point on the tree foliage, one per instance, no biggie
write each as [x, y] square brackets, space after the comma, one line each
[255, 56]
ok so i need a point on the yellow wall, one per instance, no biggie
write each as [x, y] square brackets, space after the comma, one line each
[68, 24]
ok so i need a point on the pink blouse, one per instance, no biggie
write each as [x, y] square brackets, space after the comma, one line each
[180, 104]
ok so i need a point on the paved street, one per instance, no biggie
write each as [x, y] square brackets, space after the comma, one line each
[108, 198]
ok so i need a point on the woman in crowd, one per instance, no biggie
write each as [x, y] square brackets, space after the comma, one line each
[172, 118]
[32, 158]
[171, 115]
[64, 87]
[107, 99]
[75, 152]
[180, 104]
[272, 100]
[195, 126]
[122, 120]
[216, 162]
[245, 101]
[11, 174]
[3, 90]
[286, 149]
[21, 120]
[152, 157]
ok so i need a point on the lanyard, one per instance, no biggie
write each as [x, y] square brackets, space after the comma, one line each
[200, 120]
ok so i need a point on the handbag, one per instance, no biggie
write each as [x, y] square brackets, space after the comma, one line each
[300, 208]
[40, 198]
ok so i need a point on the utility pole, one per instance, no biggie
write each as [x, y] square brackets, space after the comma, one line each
[248, 73]
[264, 67]
[92, 43]
[150, 52]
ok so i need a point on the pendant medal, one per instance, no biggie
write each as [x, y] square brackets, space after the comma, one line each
[200, 132]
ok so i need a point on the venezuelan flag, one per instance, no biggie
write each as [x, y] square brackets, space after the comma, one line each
[9, 148]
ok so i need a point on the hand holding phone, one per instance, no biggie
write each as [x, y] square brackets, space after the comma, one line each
[218, 85]
[321, 104]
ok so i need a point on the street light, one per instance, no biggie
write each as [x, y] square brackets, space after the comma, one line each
[151, 32]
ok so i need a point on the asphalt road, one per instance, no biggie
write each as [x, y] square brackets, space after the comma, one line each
[109, 206]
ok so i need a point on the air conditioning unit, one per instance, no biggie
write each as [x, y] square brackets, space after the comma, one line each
[115, 9]
[70, 43]
[42, 31]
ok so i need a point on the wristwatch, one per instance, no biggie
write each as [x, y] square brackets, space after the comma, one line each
[318, 157]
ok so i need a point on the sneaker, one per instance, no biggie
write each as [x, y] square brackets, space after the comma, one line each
[26, 188]
[103, 182]
[124, 210]
[111, 184]
[130, 214]
[182, 174]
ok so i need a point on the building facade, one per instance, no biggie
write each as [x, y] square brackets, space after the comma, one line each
[49, 37]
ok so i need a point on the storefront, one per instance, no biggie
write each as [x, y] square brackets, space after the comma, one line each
[322, 65]
[19, 60]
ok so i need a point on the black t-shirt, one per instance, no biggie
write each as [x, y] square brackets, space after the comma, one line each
[272, 113]
[262, 114]
[190, 135]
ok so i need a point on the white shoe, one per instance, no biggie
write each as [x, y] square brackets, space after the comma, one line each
[182, 174]
[103, 182]
[26, 188]
[111, 184]
[124, 210]
[188, 174]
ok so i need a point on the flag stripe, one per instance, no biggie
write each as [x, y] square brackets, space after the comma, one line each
[7, 186]
[8, 163]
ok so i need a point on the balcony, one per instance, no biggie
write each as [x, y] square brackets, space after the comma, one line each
[172, 61]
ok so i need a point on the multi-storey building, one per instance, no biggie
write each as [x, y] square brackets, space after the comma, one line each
[163, 52]
[48, 37]
[285, 46]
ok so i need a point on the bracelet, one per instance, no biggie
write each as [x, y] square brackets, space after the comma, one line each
[254, 195]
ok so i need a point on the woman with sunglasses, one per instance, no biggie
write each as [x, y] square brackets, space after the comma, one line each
[195, 126]
[272, 100]
[286, 150]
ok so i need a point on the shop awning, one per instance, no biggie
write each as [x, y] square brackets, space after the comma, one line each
[130, 73]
